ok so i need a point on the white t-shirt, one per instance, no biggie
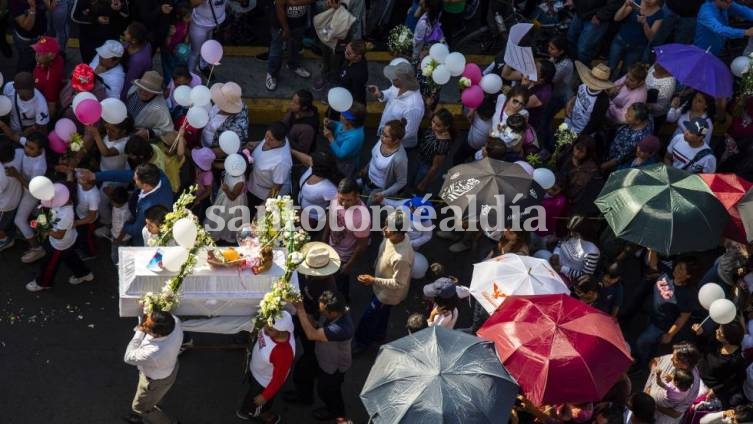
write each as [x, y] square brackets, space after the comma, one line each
[202, 14]
[117, 162]
[62, 219]
[88, 200]
[114, 78]
[120, 215]
[32, 111]
[33, 167]
[683, 154]
[317, 194]
[478, 133]
[10, 188]
[270, 167]
[446, 321]
[378, 165]
[215, 120]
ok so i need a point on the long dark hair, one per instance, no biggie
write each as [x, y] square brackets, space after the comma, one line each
[710, 103]
[324, 165]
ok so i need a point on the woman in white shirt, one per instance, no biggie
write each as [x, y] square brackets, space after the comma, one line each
[402, 100]
[387, 171]
[271, 166]
[205, 17]
[697, 105]
[316, 187]
[509, 104]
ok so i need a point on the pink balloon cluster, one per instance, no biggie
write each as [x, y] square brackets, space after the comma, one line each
[473, 96]
[88, 111]
[62, 135]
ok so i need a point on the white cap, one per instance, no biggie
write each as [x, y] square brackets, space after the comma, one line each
[110, 49]
[284, 323]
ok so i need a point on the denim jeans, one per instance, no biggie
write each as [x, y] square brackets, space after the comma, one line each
[628, 53]
[373, 324]
[678, 29]
[294, 43]
[646, 343]
[584, 37]
[58, 24]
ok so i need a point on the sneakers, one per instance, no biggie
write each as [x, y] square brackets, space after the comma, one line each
[102, 232]
[34, 254]
[32, 286]
[460, 247]
[271, 83]
[7, 243]
[88, 278]
[300, 71]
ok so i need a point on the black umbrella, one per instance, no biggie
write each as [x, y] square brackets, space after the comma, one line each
[438, 376]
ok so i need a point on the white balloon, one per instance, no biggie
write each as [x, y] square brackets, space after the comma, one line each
[339, 99]
[455, 63]
[184, 232]
[544, 177]
[425, 61]
[5, 105]
[200, 95]
[491, 83]
[722, 311]
[182, 95]
[173, 258]
[420, 266]
[41, 188]
[709, 293]
[739, 66]
[235, 165]
[230, 142]
[113, 111]
[197, 117]
[441, 75]
[80, 97]
[439, 52]
[526, 166]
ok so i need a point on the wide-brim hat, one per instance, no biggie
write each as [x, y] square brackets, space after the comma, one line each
[228, 97]
[320, 260]
[151, 82]
[203, 158]
[402, 71]
[596, 78]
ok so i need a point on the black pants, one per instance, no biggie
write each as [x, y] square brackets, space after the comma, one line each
[249, 406]
[49, 267]
[343, 285]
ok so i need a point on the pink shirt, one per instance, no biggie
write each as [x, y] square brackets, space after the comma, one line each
[624, 98]
[346, 227]
[204, 179]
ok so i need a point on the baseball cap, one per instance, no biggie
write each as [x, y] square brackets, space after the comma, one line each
[110, 49]
[697, 126]
[284, 322]
[46, 45]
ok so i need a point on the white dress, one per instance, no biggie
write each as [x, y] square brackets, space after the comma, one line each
[222, 224]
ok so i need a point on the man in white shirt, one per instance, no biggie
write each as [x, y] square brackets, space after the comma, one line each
[29, 107]
[107, 67]
[689, 152]
[403, 100]
[205, 17]
[154, 350]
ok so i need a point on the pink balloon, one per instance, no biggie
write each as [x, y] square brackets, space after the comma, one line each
[64, 129]
[88, 111]
[473, 73]
[472, 97]
[56, 143]
[211, 52]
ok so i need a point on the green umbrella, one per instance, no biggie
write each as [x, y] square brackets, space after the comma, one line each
[662, 208]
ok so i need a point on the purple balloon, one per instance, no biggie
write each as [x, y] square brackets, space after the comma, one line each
[472, 97]
[473, 73]
[56, 143]
[88, 111]
[64, 129]
[211, 52]
[61, 197]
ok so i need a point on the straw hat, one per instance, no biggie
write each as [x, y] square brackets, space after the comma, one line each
[597, 78]
[227, 97]
[321, 260]
[151, 82]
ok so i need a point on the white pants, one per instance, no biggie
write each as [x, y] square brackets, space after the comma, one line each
[25, 207]
[198, 34]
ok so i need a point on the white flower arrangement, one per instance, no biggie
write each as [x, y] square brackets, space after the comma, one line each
[464, 83]
[563, 138]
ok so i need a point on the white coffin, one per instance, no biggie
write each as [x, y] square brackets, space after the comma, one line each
[206, 292]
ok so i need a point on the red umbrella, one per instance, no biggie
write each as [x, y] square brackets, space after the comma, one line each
[558, 348]
[730, 189]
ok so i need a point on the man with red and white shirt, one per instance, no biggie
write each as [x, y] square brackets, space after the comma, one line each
[271, 360]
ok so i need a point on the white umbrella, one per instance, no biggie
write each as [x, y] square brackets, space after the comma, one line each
[510, 274]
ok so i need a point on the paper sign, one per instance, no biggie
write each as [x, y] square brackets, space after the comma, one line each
[520, 58]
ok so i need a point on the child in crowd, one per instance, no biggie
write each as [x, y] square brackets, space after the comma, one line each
[415, 322]
[61, 239]
[445, 311]
[10, 192]
[33, 164]
[231, 200]
[87, 205]
[180, 76]
[203, 159]
[176, 49]
[676, 386]
[519, 137]
[154, 218]
[120, 215]
[646, 153]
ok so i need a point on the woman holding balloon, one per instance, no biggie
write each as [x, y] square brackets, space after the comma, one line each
[207, 15]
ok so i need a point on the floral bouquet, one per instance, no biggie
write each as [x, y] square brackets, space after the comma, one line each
[746, 81]
[77, 142]
[563, 138]
[400, 41]
[41, 224]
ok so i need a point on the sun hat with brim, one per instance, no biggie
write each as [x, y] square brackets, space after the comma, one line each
[320, 260]
[151, 82]
[227, 97]
[284, 322]
[46, 45]
[596, 78]
[403, 72]
[203, 158]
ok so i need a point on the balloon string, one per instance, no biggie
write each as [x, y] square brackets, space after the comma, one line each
[180, 134]
[704, 321]
[209, 78]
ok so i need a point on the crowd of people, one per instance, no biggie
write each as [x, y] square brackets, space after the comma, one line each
[626, 111]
